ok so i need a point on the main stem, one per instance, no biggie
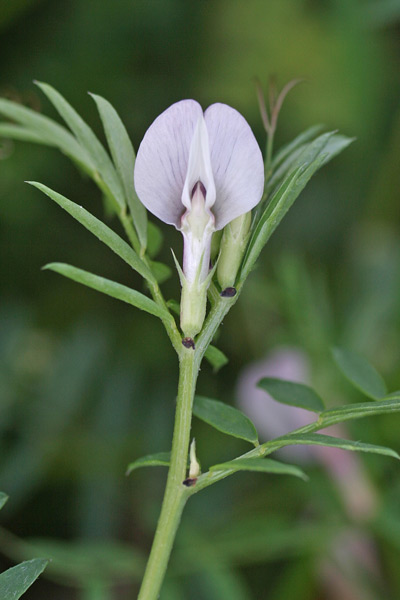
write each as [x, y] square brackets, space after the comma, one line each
[175, 493]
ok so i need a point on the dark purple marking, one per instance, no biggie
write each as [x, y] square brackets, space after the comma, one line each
[202, 189]
[190, 481]
[188, 342]
[228, 292]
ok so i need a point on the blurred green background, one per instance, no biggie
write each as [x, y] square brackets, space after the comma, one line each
[88, 384]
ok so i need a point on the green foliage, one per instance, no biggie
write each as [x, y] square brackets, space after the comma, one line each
[154, 239]
[110, 288]
[299, 395]
[357, 411]
[100, 230]
[84, 561]
[84, 148]
[15, 581]
[260, 465]
[160, 459]
[160, 271]
[294, 394]
[360, 373]
[16, 132]
[318, 439]
[225, 418]
[289, 179]
[33, 127]
[331, 144]
[216, 358]
[123, 156]
[112, 186]
[3, 499]
[294, 145]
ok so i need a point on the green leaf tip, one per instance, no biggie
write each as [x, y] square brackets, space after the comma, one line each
[319, 439]
[15, 581]
[107, 176]
[294, 394]
[261, 465]
[160, 459]
[360, 373]
[225, 418]
[123, 155]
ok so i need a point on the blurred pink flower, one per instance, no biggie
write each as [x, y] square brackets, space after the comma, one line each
[343, 572]
[273, 419]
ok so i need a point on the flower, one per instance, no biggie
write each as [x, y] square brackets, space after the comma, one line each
[198, 171]
[273, 419]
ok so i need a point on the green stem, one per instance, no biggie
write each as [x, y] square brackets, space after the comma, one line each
[176, 493]
[126, 222]
[155, 291]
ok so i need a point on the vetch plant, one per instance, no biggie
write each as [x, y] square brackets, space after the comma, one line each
[203, 173]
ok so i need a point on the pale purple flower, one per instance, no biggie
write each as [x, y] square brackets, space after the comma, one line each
[199, 171]
[207, 165]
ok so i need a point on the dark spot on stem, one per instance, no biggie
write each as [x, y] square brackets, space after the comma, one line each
[228, 292]
[188, 342]
[190, 481]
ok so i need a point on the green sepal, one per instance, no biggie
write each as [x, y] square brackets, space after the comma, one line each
[181, 274]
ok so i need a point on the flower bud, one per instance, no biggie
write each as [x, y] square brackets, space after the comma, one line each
[194, 468]
[233, 244]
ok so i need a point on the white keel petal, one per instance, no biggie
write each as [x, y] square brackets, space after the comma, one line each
[199, 166]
